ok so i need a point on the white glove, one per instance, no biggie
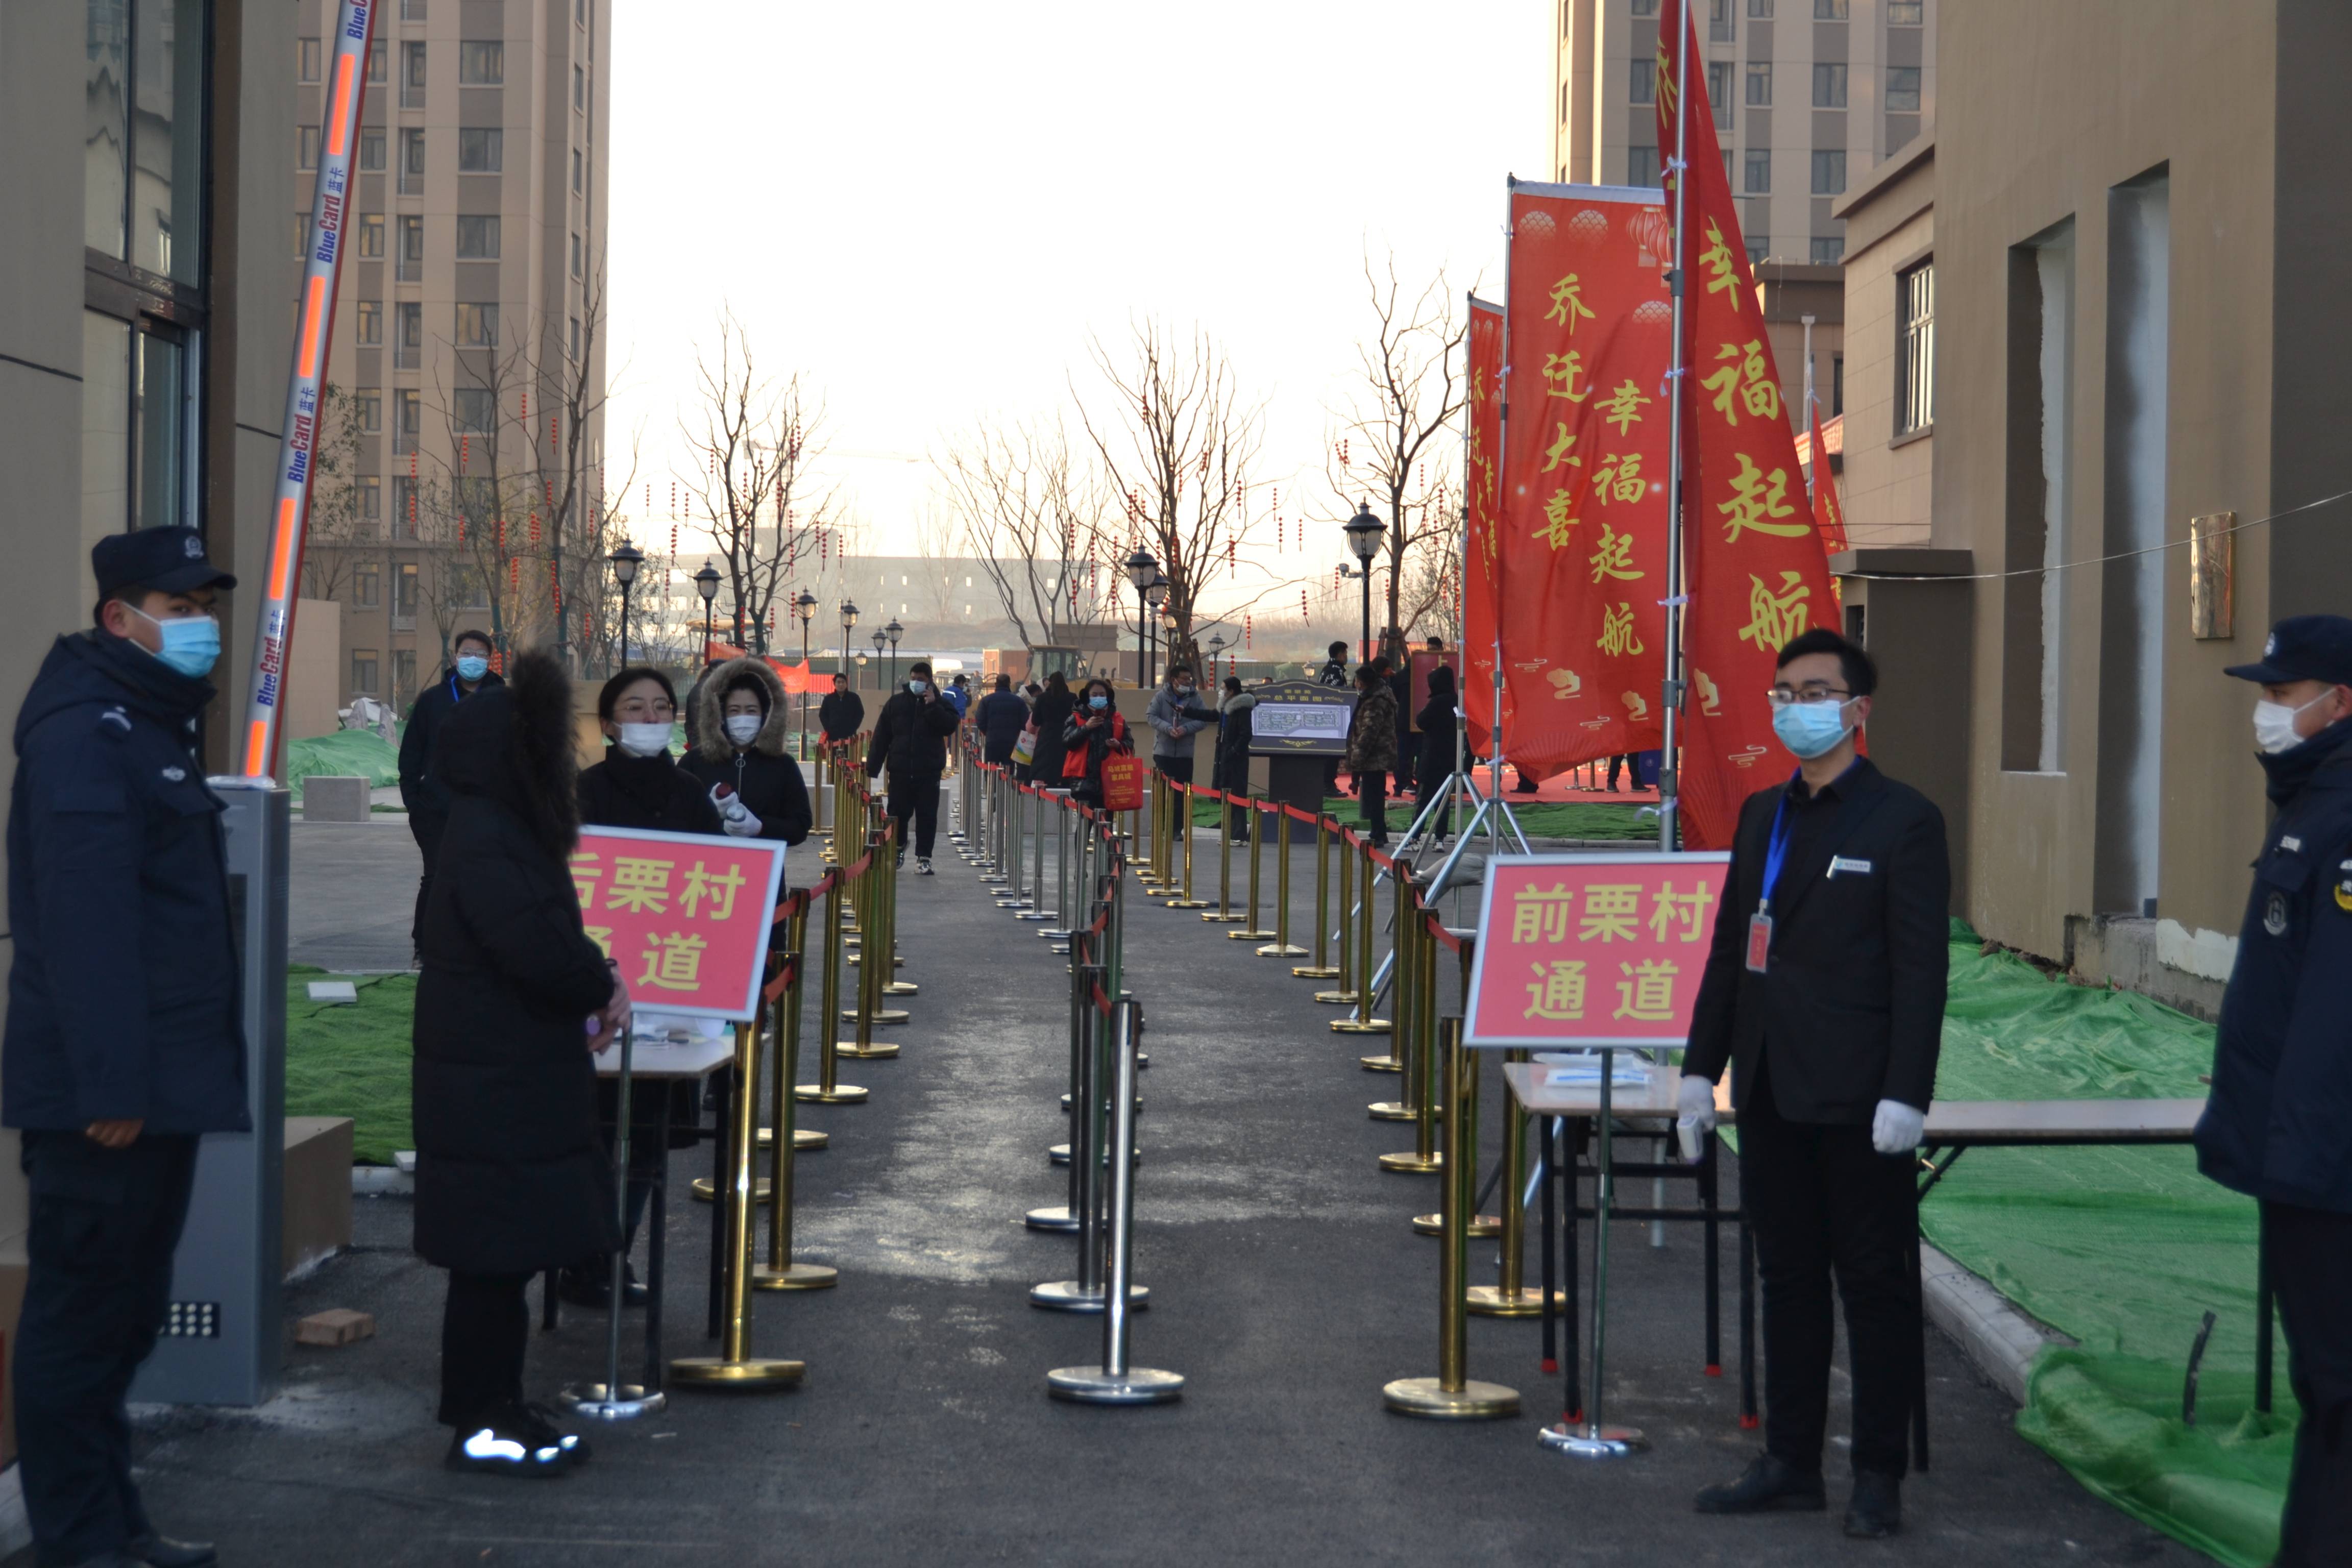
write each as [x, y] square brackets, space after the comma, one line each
[1695, 1098]
[742, 824]
[1897, 1127]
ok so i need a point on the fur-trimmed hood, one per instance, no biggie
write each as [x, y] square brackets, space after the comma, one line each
[710, 702]
[513, 744]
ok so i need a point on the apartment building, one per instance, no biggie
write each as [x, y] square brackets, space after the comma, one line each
[1808, 94]
[471, 317]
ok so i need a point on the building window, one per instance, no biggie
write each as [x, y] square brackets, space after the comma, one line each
[411, 163]
[575, 171]
[369, 237]
[1829, 171]
[1645, 7]
[1760, 84]
[575, 338]
[481, 151]
[1914, 349]
[1759, 248]
[473, 410]
[371, 323]
[411, 10]
[1760, 10]
[579, 12]
[371, 498]
[1905, 13]
[1829, 84]
[478, 327]
[1757, 179]
[1903, 90]
[1828, 252]
[408, 342]
[1642, 166]
[403, 506]
[307, 51]
[412, 76]
[371, 151]
[477, 237]
[1718, 91]
[408, 419]
[363, 672]
[302, 234]
[482, 62]
[367, 585]
[403, 598]
[411, 265]
[1719, 28]
[377, 70]
[1829, 10]
[1641, 83]
[579, 88]
[306, 146]
[367, 404]
[575, 256]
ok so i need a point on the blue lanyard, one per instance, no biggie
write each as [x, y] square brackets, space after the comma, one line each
[1775, 852]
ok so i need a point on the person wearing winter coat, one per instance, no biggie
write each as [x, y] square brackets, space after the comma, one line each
[1436, 758]
[514, 997]
[843, 712]
[1372, 750]
[1002, 716]
[1175, 720]
[428, 804]
[1093, 732]
[1233, 759]
[743, 758]
[910, 738]
[1052, 716]
[638, 785]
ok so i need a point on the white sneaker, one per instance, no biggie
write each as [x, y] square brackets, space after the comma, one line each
[922, 868]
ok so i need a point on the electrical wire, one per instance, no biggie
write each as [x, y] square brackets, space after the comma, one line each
[2095, 561]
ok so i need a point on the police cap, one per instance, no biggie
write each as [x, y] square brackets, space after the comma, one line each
[2304, 647]
[167, 560]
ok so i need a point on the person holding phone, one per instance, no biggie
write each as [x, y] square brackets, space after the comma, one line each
[1093, 732]
[910, 738]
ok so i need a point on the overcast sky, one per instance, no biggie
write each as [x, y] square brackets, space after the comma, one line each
[925, 207]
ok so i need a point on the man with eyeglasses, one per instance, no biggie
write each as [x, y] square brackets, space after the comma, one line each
[1825, 991]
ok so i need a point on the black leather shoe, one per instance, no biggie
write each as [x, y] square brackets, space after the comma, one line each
[506, 1443]
[1767, 1485]
[162, 1552]
[543, 1429]
[1876, 1511]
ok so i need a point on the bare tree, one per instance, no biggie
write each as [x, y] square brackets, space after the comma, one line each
[758, 442]
[1385, 444]
[1031, 519]
[1178, 446]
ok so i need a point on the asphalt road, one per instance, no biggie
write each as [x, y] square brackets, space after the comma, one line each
[1287, 1288]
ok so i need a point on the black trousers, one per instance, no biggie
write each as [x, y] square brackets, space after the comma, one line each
[1430, 787]
[1178, 768]
[485, 1328]
[2311, 1270]
[1623, 760]
[104, 1224]
[1373, 789]
[426, 830]
[919, 799]
[1820, 1200]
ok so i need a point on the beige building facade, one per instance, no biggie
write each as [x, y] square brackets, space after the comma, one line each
[1888, 373]
[1808, 95]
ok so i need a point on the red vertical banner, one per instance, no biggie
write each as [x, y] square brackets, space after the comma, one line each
[1756, 573]
[1828, 517]
[1581, 525]
[1481, 568]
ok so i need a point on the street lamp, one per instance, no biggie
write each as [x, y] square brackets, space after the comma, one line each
[1216, 652]
[1364, 532]
[848, 619]
[878, 640]
[1155, 593]
[706, 582]
[894, 631]
[626, 559]
[1141, 568]
[804, 607]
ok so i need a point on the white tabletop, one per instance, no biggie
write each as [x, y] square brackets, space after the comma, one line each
[652, 1059]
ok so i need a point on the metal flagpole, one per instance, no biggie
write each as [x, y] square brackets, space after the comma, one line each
[1669, 755]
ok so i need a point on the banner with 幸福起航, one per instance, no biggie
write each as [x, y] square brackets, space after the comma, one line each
[683, 915]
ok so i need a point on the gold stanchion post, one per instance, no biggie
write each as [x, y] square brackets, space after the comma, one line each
[1249, 930]
[829, 1090]
[1185, 900]
[879, 853]
[1322, 968]
[1513, 1297]
[734, 1366]
[1282, 946]
[782, 1273]
[1363, 1023]
[1224, 915]
[1346, 990]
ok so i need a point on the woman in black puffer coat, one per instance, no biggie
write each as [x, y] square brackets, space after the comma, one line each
[1052, 714]
[512, 1177]
[744, 696]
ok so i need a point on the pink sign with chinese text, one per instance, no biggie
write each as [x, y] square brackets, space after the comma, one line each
[685, 915]
[1592, 950]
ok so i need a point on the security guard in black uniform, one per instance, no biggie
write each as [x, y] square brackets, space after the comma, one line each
[2279, 1123]
[122, 1044]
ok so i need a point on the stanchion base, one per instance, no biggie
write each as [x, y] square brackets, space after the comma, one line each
[796, 1277]
[707, 1190]
[1473, 1401]
[1213, 918]
[1365, 1026]
[898, 988]
[1589, 1442]
[1318, 971]
[1249, 935]
[588, 1399]
[1053, 935]
[803, 1139]
[1527, 1301]
[839, 1094]
[878, 1050]
[1482, 1225]
[1093, 1385]
[1411, 1164]
[1390, 1110]
[1337, 998]
[1183, 904]
[1282, 950]
[1382, 1063]
[881, 1015]
[1059, 1154]
[709, 1371]
[1069, 1296]
[1058, 1218]
[1066, 1107]
[1035, 915]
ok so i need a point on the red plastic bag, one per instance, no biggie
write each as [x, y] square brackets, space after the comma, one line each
[1122, 783]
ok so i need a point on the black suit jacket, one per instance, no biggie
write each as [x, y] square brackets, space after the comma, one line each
[1852, 999]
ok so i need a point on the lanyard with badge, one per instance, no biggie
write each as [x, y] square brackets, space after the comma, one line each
[1759, 924]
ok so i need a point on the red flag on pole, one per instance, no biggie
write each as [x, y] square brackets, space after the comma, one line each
[1829, 516]
[1758, 575]
[1481, 579]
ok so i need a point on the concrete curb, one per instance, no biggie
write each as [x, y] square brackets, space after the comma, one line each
[382, 1182]
[1995, 1332]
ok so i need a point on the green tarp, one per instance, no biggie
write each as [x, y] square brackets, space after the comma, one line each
[2121, 1249]
[344, 753]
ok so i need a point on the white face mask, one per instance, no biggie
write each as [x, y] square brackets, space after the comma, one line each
[2275, 724]
[917, 686]
[645, 739]
[744, 727]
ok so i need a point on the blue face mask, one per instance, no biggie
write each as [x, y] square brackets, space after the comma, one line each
[1810, 728]
[917, 686]
[472, 667]
[1098, 700]
[190, 648]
